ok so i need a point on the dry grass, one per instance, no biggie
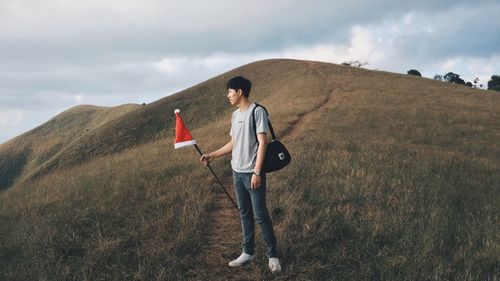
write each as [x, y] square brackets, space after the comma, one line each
[393, 177]
[131, 216]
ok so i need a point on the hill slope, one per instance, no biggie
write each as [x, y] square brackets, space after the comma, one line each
[393, 177]
[87, 132]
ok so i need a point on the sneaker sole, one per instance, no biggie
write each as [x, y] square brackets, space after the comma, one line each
[231, 264]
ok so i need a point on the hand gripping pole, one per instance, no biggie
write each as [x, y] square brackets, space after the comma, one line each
[217, 178]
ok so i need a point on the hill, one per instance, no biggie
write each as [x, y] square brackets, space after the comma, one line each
[393, 177]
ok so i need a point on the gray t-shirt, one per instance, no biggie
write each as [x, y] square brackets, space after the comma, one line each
[245, 144]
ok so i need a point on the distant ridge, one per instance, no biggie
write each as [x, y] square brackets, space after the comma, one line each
[85, 132]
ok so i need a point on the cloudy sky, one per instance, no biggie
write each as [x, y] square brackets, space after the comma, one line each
[55, 54]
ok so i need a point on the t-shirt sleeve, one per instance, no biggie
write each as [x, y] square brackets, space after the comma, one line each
[261, 121]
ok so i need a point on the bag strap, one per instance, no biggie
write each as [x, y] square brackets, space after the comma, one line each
[268, 122]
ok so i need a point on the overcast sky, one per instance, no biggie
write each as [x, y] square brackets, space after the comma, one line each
[55, 54]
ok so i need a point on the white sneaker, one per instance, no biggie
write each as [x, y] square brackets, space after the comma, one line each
[242, 260]
[274, 265]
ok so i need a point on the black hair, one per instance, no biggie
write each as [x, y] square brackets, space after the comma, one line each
[240, 82]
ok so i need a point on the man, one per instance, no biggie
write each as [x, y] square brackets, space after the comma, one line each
[248, 149]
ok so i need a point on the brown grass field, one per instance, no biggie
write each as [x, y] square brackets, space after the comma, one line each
[393, 177]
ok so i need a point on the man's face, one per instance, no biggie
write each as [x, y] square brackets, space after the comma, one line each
[234, 96]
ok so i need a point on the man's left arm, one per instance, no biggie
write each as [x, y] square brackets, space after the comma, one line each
[261, 153]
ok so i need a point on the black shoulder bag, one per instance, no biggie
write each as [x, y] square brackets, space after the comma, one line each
[277, 156]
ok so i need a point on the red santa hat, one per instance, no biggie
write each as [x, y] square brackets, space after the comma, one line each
[183, 137]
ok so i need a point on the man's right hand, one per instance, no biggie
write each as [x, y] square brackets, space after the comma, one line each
[206, 159]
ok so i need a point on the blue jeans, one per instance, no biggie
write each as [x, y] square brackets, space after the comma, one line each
[252, 204]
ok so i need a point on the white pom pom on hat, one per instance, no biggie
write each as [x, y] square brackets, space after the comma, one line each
[177, 111]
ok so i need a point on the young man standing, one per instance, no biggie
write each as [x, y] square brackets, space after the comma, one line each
[248, 149]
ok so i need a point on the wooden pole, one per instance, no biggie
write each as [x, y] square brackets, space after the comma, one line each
[217, 178]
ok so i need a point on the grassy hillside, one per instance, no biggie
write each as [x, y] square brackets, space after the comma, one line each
[393, 177]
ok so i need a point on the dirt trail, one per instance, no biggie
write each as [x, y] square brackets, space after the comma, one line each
[224, 242]
[292, 130]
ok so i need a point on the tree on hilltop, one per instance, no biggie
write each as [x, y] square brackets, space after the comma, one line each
[494, 83]
[476, 80]
[414, 72]
[453, 78]
[355, 63]
[438, 77]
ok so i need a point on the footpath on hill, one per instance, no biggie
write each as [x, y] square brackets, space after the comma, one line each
[224, 242]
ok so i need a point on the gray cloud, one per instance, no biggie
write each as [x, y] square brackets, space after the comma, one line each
[65, 32]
